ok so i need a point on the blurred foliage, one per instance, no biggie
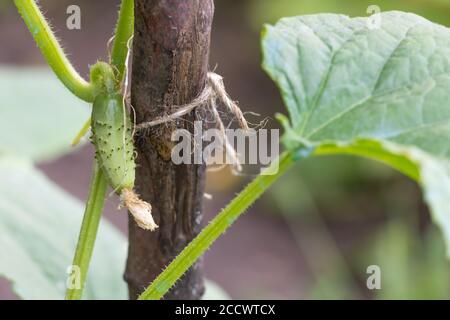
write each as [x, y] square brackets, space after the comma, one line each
[38, 116]
[331, 276]
[344, 187]
[412, 262]
[413, 265]
[4, 4]
[39, 221]
[39, 225]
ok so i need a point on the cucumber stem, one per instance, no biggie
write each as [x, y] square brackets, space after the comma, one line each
[88, 232]
[124, 32]
[52, 51]
[216, 228]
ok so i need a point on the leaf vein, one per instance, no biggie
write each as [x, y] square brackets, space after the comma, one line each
[369, 96]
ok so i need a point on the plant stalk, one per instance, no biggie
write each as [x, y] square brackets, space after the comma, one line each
[216, 228]
[123, 34]
[88, 232]
[52, 51]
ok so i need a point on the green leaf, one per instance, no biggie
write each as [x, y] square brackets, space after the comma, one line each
[381, 93]
[39, 225]
[39, 117]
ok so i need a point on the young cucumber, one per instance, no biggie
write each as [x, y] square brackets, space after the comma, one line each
[111, 135]
[112, 138]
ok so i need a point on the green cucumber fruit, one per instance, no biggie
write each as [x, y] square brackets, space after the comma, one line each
[114, 151]
[111, 135]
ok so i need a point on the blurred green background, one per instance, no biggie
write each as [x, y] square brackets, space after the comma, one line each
[319, 229]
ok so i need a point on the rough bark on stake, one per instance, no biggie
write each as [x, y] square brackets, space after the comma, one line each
[170, 64]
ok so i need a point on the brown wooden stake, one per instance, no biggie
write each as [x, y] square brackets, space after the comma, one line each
[170, 63]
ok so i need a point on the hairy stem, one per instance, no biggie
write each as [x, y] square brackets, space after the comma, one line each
[52, 51]
[216, 228]
[124, 32]
[88, 232]
[99, 184]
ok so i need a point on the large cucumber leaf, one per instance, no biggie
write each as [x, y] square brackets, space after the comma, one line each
[39, 225]
[381, 93]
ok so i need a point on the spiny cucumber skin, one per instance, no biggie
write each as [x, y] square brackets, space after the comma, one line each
[113, 145]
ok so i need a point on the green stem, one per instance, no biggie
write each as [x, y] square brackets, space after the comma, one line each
[88, 232]
[52, 51]
[216, 228]
[99, 184]
[124, 31]
[82, 132]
